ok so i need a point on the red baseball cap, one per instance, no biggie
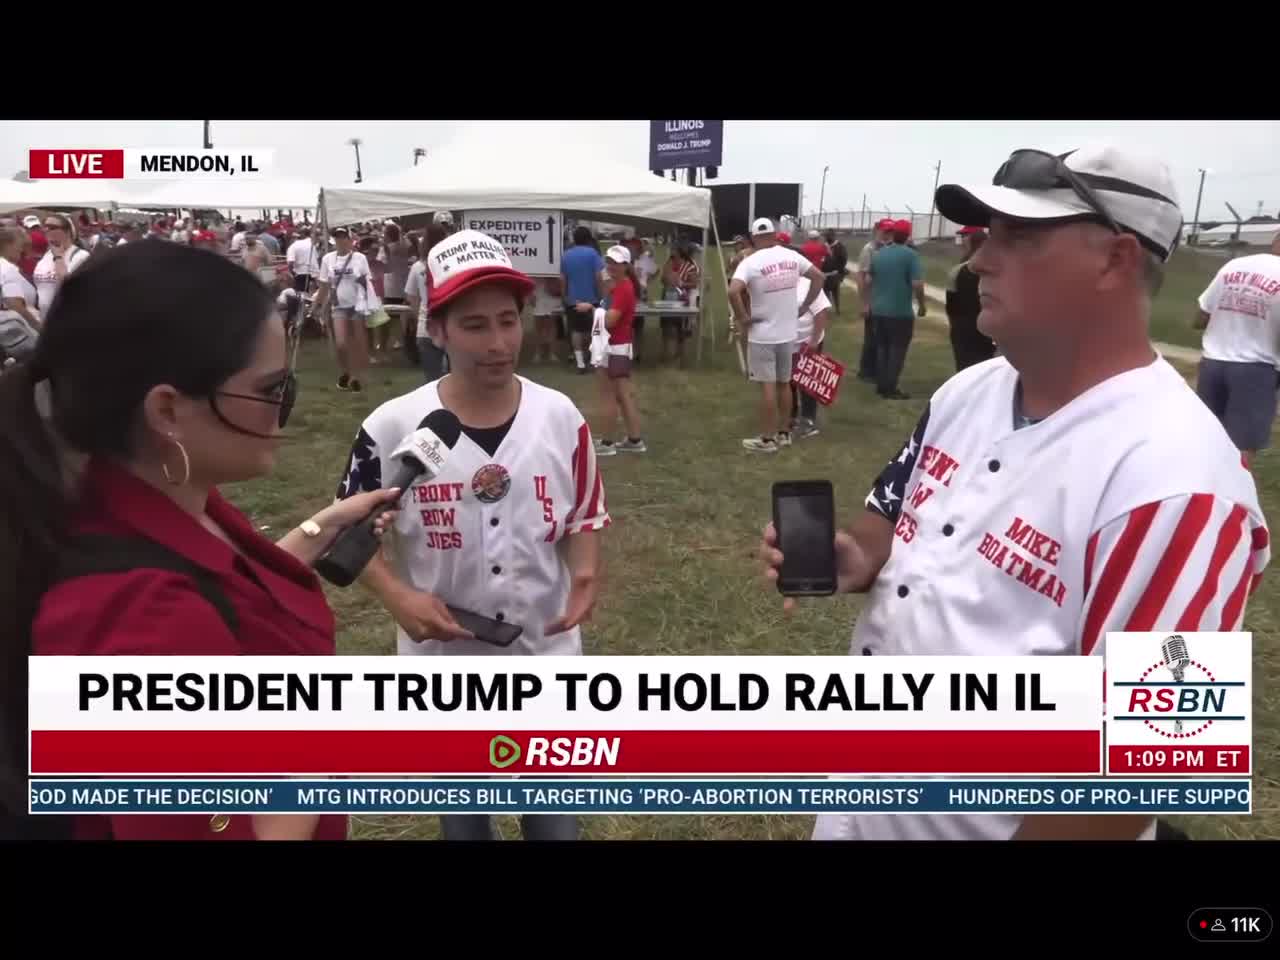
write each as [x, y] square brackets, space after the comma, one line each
[902, 226]
[465, 260]
[885, 223]
[784, 237]
[969, 231]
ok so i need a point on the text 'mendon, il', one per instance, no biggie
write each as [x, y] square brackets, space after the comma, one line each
[148, 164]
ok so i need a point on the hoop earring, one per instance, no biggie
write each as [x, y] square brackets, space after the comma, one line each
[186, 464]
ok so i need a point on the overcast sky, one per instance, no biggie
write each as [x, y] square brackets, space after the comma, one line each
[891, 161]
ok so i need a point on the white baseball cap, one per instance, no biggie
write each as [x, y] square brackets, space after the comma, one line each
[618, 254]
[442, 216]
[1136, 192]
[814, 234]
[763, 225]
[31, 220]
[466, 259]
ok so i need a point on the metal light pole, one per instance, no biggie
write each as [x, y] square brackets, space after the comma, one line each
[208, 144]
[1195, 227]
[418, 154]
[822, 194]
[355, 142]
[937, 175]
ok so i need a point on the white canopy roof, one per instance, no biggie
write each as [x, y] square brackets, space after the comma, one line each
[522, 176]
[273, 193]
[278, 193]
[90, 194]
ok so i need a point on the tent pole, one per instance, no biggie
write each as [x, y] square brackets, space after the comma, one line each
[724, 277]
[702, 300]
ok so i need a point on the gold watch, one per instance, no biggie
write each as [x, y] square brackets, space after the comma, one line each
[309, 528]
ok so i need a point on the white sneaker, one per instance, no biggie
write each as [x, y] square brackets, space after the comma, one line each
[631, 446]
[783, 438]
[760, 445]
[604, 449]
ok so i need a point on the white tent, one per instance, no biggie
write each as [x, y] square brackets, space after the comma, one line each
[87, 194]
[519, 177]
[273, 193]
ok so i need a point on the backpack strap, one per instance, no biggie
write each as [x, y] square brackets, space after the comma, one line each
[89, 554]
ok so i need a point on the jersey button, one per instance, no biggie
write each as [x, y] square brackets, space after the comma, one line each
[496, 569]
[948, 530]
[499, 617]
[493, 521]
[993, 465]
[903, 591]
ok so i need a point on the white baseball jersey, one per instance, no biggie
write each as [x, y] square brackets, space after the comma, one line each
[1127, 509]
[485, 534]
[1243, 303]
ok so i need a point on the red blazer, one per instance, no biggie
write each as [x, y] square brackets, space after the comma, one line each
[278, 599]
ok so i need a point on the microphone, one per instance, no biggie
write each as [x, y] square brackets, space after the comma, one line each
[423, 451]
[1175, 655]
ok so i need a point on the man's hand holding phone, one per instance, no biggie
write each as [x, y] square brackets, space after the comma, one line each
[853, 565]
[424, 616]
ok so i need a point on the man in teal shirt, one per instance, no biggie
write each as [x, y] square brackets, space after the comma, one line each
[896, 275]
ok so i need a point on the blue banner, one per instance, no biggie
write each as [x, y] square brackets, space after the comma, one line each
[623, 796]
[674, 144]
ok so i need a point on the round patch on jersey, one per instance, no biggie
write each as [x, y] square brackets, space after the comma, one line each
[491, 483]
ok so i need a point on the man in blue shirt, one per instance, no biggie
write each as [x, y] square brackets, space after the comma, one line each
[896, 274]
[581, 270]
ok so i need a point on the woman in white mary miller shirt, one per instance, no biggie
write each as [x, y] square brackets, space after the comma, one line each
[63, 256]
[344, 273]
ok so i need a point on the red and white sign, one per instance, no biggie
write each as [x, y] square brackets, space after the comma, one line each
[1179, 703]
[193, 716]
[817, 375]
[149, 164]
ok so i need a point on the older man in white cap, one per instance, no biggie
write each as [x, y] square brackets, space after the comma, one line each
[769, 276]
[1072, 487]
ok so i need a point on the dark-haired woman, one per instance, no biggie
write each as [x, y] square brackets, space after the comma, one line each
[681, 279]
[63, 256]
[102, 439]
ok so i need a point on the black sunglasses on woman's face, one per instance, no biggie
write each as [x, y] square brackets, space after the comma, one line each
[284, 395]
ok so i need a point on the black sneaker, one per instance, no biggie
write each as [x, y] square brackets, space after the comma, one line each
[344, 382]
[355, 386]
[897, 395]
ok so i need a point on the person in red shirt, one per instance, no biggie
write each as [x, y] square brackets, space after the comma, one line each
[117, 540]
[814, 250]
[615, 372]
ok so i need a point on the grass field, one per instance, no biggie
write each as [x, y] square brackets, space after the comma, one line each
[1186, 276]
[681, 573]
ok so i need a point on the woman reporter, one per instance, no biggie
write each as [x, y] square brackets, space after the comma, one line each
[163, 372]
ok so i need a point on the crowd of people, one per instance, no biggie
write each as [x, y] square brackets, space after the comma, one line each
[1078, 424]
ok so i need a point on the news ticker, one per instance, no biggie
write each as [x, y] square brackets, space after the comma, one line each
[151, 163]
[651, 716]
[641, 796]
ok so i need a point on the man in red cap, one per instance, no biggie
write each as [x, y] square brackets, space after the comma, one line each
[896, 275]
[510, 527]
[969, 344]
[879, 237]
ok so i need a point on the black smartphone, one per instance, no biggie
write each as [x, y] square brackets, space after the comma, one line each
[497, 632]
[804, 515]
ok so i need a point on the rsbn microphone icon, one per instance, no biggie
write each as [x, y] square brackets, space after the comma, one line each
[1174, 649]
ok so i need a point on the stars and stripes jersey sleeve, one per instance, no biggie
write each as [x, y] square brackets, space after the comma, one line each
[885, 497]
[1187, 563]
[588, 510]
[364, 467]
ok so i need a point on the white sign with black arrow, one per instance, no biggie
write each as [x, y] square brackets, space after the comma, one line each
[534, 239]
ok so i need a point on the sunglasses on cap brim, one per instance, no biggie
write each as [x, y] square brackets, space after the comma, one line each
[1040, 170]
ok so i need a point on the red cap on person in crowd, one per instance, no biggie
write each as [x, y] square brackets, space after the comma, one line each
[784, 238]
[885, 223]
[467, 259]
[969, 231]
[902, 226]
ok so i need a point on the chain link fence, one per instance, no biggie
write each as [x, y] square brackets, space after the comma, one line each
[924, 226]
